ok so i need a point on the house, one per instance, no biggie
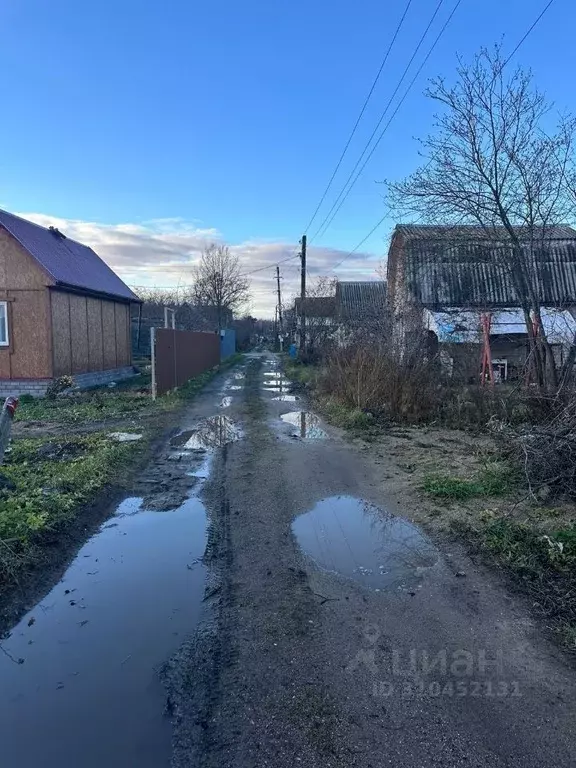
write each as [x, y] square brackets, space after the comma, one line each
[449, 286]
[356, 306]
[361, 303]
[63, 311]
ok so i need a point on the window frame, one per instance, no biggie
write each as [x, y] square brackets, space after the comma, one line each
[4, 307]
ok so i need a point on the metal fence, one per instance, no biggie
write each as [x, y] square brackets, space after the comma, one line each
[178, 356]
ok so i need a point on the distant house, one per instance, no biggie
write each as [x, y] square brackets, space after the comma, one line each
[356, 306]
[361, 303]
[450, 284]
[62, 311]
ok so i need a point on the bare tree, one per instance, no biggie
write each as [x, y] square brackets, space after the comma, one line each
[219, 283]
[490, 163]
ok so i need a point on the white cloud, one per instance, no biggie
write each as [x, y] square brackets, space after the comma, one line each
[162, 252]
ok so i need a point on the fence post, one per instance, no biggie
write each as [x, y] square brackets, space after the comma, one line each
[6, 419]
[153, 361]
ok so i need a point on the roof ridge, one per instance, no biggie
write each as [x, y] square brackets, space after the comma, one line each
[46, 229]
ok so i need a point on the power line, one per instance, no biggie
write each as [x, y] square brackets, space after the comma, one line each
[270, 266]
[520, 43]
[392, 116]
[528, 32]
[379, 123]
[361, 243]
[366, 100]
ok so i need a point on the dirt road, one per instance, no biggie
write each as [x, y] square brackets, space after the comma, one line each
[343, 636]
[260, 590]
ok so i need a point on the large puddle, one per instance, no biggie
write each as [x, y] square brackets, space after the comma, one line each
[305, 425]
[87, 692]
[213, 432]
[362, 542]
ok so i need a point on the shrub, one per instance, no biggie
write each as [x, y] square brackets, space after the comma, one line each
[59, 385]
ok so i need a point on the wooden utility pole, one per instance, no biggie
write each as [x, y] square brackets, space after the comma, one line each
[280, 325]
[303, 297]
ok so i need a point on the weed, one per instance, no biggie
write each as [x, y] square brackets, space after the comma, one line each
[494, 479]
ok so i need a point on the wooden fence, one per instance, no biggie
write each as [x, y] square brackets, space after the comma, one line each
[178, 356]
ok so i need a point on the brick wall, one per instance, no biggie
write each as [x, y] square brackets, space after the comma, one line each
[37, 387]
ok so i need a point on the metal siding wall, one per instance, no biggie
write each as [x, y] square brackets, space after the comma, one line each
[227, 343]
[182, 355]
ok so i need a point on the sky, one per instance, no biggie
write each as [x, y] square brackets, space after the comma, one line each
[148, 130]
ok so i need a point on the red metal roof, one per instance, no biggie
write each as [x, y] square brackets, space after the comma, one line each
[68, 262]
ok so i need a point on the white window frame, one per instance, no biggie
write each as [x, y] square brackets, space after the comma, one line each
[4, 309]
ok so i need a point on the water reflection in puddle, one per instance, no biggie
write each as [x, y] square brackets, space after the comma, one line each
[277, 385]
[210, 433]
[307, 425]
[88, 692]
[362, 542]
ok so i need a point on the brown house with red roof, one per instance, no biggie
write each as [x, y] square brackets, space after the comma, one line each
[63, 311]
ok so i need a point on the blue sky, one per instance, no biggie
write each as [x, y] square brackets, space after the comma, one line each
[149, 128]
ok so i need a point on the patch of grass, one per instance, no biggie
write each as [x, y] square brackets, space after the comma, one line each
[544, 564]
[346, 417]
[494, 479]
[300, 372]
[129, 398]
[47, 492]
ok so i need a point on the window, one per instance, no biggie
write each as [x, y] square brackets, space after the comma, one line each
[4, 341]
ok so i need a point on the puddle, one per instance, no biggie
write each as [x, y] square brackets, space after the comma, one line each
[88, 692]
[129, 506]
[239, 376]
[306, 425]
[362, 542]
[234, 387]
[210, 433]
[226, 402]
[273, 385]
[286, 398]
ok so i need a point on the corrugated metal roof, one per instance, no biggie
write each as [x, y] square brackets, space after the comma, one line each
[471, 231]
[317, 306]
[459, 267]
[358, 298]
[68, 262]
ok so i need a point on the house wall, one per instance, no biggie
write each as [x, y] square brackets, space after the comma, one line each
[88, 334]
[23, 285]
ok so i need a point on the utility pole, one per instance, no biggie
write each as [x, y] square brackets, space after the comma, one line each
[303, 298]
[280, 328]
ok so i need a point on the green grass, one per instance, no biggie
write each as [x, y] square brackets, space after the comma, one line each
[494, 479]
[543, 564]
[130, 398]
[48, 480]
[49, 487]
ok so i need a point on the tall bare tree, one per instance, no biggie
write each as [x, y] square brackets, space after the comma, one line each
[490, 163]
[218, 281]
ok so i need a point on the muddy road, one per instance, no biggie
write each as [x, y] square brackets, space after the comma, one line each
[341, 635]
[260, 600]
